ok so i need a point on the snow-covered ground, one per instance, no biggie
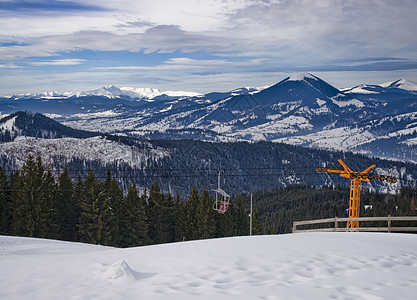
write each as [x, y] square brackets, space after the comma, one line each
[294, 266]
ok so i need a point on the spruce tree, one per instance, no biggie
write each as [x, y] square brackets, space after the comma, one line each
[191, 208]
[256, 224]
[133, 226]
[68, 207]
[5, 204]
[114, 195]
[50, 200]
[161, 215]
[182, 227]
[169, 218]
[31, 211]
[225, 226]
[78, 191]
[205, 217]
[153, 207]
[241, 217]
[95, 224]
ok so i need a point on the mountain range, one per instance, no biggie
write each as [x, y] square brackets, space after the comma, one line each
[302, 109]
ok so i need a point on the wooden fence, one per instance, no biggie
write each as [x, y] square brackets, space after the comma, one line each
[338, 228]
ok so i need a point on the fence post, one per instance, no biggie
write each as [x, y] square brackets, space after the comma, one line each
[389, 223]
[336, 224]
[294, 227]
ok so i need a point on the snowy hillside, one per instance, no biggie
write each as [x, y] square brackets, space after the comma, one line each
[401, 84]
[24, 124]
[295, 266]
[88, 149]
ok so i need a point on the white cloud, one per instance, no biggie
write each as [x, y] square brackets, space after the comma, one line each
[8, 66]
[299, 29]
[58, 62]
[184, 63]
[270, 35]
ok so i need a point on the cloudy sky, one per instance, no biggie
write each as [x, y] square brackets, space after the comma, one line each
[202, 45]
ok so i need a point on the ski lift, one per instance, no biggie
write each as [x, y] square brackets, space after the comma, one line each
[222, 199]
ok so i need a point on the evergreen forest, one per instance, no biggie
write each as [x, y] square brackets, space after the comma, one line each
[35, 203]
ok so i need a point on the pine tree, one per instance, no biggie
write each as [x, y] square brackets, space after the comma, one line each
[95, 224]
[225, 226]
[256, 224]
[114, 195]
[50, 199]
[5, 204]
[161, 216]
[31, 211]
[78, 192]
[134, 227]
[241, 217]
[169, 211]
[182, 227]
[68, 207]
[206, 217]
[153, 207]
[191, 209]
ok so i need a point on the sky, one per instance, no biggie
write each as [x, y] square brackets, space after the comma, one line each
[202, 45]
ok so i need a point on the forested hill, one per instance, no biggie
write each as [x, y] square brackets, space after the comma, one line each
[247, 167]
[36, 125]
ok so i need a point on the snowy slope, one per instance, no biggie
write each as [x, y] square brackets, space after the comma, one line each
[400, 130]
[296, 266]
[89, 149]
[401, 84]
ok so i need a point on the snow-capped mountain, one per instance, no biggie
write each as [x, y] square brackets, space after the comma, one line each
[134, 93]
[111, 92]
[300, 109]
[401, 84]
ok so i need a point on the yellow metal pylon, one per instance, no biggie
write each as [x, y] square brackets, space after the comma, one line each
[355, 188]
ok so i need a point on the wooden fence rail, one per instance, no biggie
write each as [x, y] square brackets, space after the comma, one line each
[337, 221]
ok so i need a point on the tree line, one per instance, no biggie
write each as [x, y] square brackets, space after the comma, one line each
[279, 208]
[33, 203]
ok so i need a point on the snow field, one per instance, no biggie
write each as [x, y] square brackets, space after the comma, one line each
[294, 266]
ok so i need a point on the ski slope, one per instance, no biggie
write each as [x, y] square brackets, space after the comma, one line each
[294, 266]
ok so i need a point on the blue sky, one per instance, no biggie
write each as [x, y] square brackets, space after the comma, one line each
[203, 45]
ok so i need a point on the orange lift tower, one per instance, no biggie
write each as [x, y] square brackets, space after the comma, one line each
[355, 187]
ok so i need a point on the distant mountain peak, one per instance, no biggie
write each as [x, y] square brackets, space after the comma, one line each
[112, 91]
[302, 76]
[401, 84]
